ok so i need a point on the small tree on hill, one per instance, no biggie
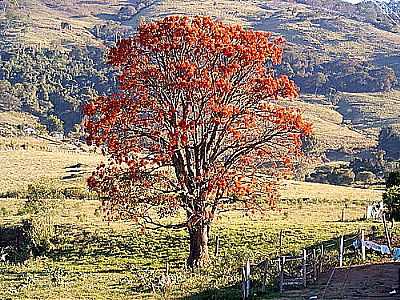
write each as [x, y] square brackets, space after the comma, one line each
[393, 179]
[391, 199]
[196, 127]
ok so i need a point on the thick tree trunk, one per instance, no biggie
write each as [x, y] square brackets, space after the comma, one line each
[198, 255]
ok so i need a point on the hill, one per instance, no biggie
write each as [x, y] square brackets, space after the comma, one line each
[370, 112]
[53, 55]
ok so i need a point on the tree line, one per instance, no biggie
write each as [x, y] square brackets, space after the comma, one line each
[53, 84]
[346, 75]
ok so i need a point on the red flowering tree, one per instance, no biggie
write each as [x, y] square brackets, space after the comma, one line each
[196, 127]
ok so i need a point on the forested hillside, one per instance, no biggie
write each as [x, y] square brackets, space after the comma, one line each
[50, 66]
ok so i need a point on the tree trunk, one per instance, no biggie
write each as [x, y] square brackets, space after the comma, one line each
[198, 255]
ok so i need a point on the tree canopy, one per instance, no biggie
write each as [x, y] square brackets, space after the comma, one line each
[196, 124]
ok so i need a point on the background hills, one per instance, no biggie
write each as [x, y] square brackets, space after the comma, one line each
[345, 58]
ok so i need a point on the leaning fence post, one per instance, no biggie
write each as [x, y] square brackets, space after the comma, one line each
[362, 244]
[386, 232]
[248, 279]
[244, 283]
[341, 244]
[304, 267]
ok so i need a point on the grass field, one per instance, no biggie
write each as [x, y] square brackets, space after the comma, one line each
[93, 259]
[328, 125]
[369, 112]
[21, 167]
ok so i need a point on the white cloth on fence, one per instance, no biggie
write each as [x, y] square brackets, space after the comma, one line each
[396, 253]
[385, 249]
[356, 244]
[372, 245]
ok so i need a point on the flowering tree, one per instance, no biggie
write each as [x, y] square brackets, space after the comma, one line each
[196, 127]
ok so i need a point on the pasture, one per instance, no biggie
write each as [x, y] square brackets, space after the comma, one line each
[90, 258]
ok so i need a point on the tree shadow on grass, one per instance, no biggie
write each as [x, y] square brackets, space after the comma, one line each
[229, 292]
[77, 242]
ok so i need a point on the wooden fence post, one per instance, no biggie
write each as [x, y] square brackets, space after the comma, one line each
[341, 244]
[281, 277]
[243, 283]
[246, 281]
[362, 245]
[342, 214]
[216, 253]
[305, 268]
[315, 264]
[321, 259]
[386, 232]
[264, 279]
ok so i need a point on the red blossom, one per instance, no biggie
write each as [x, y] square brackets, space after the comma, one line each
[197, 120]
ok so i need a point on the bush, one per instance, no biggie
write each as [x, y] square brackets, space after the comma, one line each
[45, 188]
[391, 199]
[79, 193]
[365, 176]
[42, 231]
[30, 238]
[393, 179]
[341, 177]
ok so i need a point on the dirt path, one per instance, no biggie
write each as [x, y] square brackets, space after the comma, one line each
[357, 282]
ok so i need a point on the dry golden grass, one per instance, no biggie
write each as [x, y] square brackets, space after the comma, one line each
[328, 127]
[370, 112]
[17, 118]
[19, 168]
[328, 193]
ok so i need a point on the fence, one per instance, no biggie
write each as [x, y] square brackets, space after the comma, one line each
[286, 272]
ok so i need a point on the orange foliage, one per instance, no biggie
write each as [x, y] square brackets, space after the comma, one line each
[197, 120]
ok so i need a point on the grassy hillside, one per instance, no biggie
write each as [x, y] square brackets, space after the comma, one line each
[19, 168]
[328, 126]
[43, 20]
[319, 30]
[369, 112]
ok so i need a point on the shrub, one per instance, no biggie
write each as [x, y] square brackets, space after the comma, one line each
[393, 179]
[30, 238]
[341, 177]
[365, 176]
[41, 232]
[391, 199]
[45, 188]
[79, 193]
